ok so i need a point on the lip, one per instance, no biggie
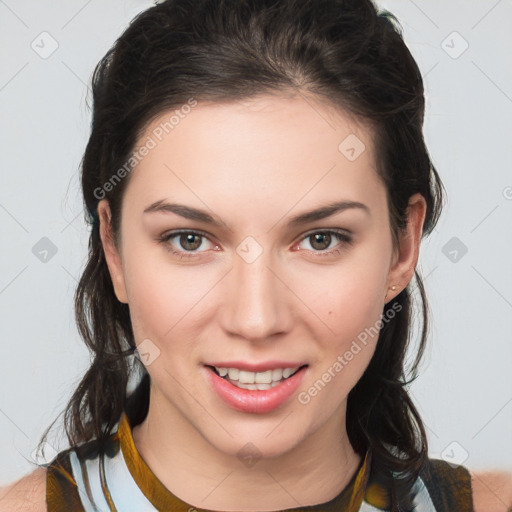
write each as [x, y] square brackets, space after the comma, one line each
[255, 401]
[256, 367]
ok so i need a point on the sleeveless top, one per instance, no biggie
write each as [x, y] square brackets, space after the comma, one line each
[77, 481]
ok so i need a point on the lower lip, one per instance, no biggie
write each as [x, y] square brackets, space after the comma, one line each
[253, 400]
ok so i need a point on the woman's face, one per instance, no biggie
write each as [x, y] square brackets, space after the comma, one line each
[257, 284]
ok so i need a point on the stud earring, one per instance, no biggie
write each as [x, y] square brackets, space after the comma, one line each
[393, 288]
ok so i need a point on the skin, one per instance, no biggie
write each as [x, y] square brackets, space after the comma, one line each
[255, 164]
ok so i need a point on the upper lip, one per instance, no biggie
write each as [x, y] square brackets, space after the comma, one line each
[256, 367]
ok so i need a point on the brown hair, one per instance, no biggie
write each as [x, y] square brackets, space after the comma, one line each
[341, 51]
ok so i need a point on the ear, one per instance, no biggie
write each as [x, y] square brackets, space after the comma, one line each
[114, 261]
[406, 255]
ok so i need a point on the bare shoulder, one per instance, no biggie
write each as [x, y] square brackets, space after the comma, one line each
[26, 494]
[492, 490]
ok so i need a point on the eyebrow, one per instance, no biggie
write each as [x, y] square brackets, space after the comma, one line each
[304, 218]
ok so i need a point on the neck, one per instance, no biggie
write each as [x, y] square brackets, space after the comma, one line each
[314, 471]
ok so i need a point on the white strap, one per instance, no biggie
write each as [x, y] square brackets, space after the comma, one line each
[125, 493]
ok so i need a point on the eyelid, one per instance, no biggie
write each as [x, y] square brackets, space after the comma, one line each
[167, 236]
[340, 231]
[344, 236]
[173, 233]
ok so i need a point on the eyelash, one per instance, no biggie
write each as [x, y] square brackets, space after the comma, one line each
[342, 236]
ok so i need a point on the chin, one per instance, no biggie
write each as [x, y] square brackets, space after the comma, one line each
[254, 444]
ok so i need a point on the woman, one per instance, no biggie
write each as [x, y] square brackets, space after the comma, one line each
[258, 185]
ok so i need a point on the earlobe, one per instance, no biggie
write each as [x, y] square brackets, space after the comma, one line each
[406, 258]
[112, 256]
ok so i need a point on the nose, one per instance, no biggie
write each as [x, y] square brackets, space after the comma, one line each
[257, 303]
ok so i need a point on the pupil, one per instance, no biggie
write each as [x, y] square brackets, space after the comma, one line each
[188, 239]
[322, 236]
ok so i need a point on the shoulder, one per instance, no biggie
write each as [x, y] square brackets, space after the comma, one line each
[448, 486]
[492, 490]
[479, 490]
[26, 494]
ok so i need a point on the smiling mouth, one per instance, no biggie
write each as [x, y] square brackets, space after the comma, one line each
[255, 380]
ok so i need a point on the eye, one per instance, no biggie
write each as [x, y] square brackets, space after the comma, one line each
[188, 242]
[321, 240]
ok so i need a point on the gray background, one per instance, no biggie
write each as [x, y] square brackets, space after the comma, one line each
[464, 392]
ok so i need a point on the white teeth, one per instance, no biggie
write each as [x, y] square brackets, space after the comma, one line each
[246, 378]
[233, 373]
[288, 371]
[277, 374]
[260, 387]
[263, 377]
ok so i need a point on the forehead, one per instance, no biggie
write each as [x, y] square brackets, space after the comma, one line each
[285, 148]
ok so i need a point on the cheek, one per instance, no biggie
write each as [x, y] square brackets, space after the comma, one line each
[347, 300]
[163, 300]
[353, 319]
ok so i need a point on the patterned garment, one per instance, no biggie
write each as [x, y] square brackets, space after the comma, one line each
[77, 481]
